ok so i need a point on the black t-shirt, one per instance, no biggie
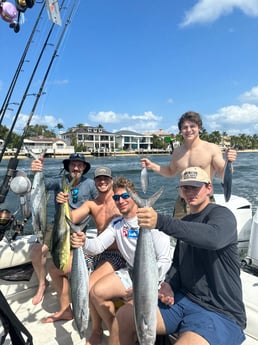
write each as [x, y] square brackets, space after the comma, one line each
[206, 266]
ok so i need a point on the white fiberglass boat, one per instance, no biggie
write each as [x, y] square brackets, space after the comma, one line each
[19, 293]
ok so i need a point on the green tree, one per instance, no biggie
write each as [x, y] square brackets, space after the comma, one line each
[204, 134]
[158, 142]
[215, 137]
[3, 132]
[80, 125]
[59, 126]
[40, 130]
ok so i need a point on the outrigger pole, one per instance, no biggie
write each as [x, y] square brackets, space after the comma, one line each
[18, 70]
[11, 166]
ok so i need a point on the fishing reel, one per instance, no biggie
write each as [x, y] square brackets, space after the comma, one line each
[10, 227]
[6, 219]
[21, 186]
[11, 13]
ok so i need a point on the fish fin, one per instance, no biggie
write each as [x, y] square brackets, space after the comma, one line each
[36, 155]
[67, 186]
[145, 202]
[78, 227]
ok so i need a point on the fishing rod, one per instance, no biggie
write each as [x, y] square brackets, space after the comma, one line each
[18, 70]
[11, 171]
[26, 92]
[40, 91]
[27, 89]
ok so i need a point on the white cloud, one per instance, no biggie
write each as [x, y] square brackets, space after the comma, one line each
[59, 82]
[250, 96]
[47, 120]
[139, 123]
[108, 117]
[234, 119]
[170, 100]
[147, 116]
[206, 11]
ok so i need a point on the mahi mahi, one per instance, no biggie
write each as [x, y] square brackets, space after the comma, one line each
[80, 285]
[38, 199]
[145, 279]
[227, 180]
[60, 241]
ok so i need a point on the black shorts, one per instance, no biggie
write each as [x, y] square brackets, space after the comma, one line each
[112, 256]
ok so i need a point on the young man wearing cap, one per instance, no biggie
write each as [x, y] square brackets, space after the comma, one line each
[83, 189]
[193, 152]
[201, 299]
[103, 209]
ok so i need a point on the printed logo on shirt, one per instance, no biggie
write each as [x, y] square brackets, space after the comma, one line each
[130, 233]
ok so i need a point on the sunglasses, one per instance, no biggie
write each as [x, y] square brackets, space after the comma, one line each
[117, 197]
[77, 155]
[74, 193]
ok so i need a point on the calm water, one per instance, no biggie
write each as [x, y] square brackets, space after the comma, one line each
[244, 178]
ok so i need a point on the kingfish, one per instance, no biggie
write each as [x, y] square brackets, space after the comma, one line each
[80, 285]
[145, 279]
[227, 180]
[38, 199]
[60, 241]
[144, 180]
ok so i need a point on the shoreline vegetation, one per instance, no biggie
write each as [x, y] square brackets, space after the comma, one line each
[122, 153]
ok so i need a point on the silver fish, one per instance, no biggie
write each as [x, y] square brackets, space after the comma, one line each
[145, 279]
[39, 200]
[60, 241]
[227, 180]
[144, 180]
[80, 285]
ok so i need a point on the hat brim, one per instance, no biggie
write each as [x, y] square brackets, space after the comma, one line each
[67, 161]
[192, 183]
[106, 175]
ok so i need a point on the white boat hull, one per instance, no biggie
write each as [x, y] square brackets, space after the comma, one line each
[16, 252]
[19, 294]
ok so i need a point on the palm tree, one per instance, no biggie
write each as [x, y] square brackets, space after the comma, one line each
[59, 126]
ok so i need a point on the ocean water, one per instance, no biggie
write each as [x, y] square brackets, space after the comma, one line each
[244, 178]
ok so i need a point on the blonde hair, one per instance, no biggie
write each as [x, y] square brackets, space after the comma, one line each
[123, 182]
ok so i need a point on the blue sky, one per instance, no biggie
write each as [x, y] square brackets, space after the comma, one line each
[140, 64]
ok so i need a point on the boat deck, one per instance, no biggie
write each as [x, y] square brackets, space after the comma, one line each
[19, 296]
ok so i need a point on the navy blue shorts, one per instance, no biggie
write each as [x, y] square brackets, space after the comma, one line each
[186, 315]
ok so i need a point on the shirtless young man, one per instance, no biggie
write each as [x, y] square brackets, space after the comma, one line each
[193, 152]
[102, 209]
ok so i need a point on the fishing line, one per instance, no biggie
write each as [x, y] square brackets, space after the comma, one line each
[26, 92]
[13, 162]
[18, 70]
[68, 21]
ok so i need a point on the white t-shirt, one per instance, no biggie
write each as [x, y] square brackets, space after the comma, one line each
[125, 233]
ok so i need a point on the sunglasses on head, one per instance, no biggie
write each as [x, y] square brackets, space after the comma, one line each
[74, 193]
[117, 197]
[77, 155]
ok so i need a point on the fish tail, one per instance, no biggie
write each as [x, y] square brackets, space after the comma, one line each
[145, 202]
